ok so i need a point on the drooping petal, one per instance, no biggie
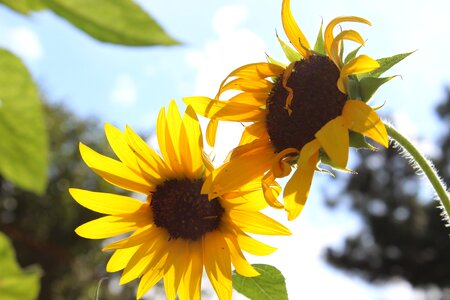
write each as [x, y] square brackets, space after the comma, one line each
[293, 32]
[330, 27]
[358, 65]
[216, 257]
[106, 203]
[257, 71]
[297, 189]
[334, 139]
[361, 118]
[281, 167]
[247, 85]
[271, 192]
[253, 132]
[114, 171]
[242, 266]
[211, 131]
[344, 35]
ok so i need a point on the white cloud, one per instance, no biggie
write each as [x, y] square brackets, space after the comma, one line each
[124, 91]
[24, 42]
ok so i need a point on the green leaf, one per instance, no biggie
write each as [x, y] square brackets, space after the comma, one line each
[119, 21]
[269, 285]
[319, 46]
[369, 85]
[358, 141]
[16, 283]
[385, 64]
[23, 6]
[23, 146]
[291, 54]
[353, 87]
[351, 55]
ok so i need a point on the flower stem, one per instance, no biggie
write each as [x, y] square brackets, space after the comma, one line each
[425, 166]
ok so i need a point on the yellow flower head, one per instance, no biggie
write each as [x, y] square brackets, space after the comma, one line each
[177, 231]
[309, 111]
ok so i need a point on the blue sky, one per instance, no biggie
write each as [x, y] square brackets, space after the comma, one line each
[123, 85]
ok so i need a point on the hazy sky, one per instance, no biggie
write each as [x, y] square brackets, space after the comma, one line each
[124, 85]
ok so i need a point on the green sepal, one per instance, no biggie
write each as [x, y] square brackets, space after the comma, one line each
[369, 85]
[269, 285]
[351, 55]
[319, 46]
[358, 141]
[275, 62]
[291, 54]
[385, 64]
[325, 159]
[326, 171]
[354, 90]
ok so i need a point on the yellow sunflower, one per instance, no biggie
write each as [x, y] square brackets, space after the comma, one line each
[177, 231]
[312, 110]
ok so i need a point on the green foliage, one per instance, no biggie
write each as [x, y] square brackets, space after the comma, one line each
[385, 64]
[119, 21]
[352, 55]
[369, 85]
[16, 283]
[23, 147]
[319, 46]
[24, 6]
[291, 54]
[270, 285]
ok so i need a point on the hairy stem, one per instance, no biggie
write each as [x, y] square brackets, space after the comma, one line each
[420, 162]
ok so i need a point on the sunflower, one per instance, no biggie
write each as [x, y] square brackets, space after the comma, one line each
[177, 231]
[307, 112]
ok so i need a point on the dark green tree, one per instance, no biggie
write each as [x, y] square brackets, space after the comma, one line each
[42, 228]
[403, 234]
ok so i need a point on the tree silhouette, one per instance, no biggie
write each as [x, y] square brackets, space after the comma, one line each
[403, 234]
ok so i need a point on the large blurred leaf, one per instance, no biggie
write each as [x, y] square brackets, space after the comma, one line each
[118, 21]
[269, 285]
[16, 283]
[23, 146]
[23, 6]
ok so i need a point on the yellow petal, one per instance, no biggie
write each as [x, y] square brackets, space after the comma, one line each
[216, 257]
[225, 110]
[118, 143]
[293, 32]
[120, 258]
[247, 85]
[281, 167]
[253, 132]
[154, 272]
[242, 266]
[191, 142]
[149, 161]
[138, 263]
[246, 242]
[334, 139]
[256, 222]
[297, 189]
[328, 38]
[166, 145]
[108, 226]
[358, 65]
[271, 190]
[106, 203]
[115, 172]
[361, 118]
[255, 99]
[257, 71]
[211, 131]
[139, 237]
[190, 283]
[252, 201]
[344, 35]
[176, 264]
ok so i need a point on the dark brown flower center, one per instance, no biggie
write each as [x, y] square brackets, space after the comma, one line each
[316, 101]
[179, 207]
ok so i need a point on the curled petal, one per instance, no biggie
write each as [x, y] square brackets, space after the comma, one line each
[334, 139]
[344, 35]
[293, 32]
